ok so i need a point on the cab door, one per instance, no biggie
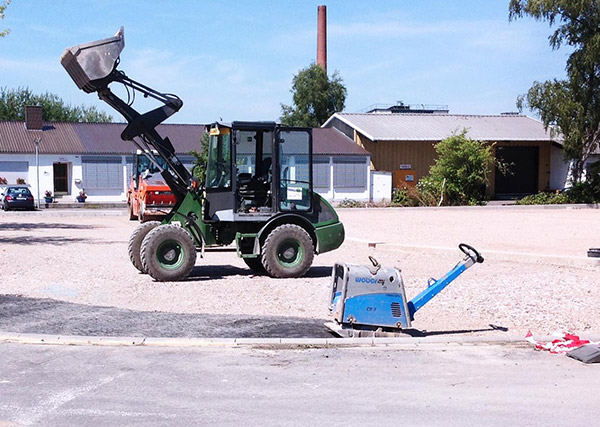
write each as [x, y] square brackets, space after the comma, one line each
[294, 155]
[219, 195]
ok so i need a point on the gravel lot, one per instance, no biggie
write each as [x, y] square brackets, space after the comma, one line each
[536, 275]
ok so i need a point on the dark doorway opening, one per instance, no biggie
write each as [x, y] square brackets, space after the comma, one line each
[61, 178]
[523, 165]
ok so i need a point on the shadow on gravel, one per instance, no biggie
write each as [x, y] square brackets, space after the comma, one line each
[48, 316]
[20, 226]
[424, 333]
[210, 272]
[55, 240]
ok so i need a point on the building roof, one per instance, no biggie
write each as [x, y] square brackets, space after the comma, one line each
[89, 138]
[105, 138]
[435, 127]
[330, 141]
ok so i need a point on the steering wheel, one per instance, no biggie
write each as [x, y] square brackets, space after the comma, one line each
[471, 252]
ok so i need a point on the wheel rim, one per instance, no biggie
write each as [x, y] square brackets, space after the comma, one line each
[290, 253]
[170, 254]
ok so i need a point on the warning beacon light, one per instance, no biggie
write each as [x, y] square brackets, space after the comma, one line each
[89, 63]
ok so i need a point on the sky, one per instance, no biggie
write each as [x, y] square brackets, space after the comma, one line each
[235, 60]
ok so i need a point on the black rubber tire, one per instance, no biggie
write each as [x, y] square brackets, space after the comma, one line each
[255, 264]
[135, 243]
[288, 251]
[168, 253]
[132, 217]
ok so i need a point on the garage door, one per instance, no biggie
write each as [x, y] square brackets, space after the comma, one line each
[523, 163]
[13, 170]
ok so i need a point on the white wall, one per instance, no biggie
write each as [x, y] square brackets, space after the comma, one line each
[75, 173]
[559, 169]
[46, 172]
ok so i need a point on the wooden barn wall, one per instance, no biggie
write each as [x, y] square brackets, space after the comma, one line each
[389, 155]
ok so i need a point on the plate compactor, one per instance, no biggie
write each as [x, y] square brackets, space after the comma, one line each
[370, 300]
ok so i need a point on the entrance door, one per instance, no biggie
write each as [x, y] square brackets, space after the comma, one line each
[522, 178]
[61, 178]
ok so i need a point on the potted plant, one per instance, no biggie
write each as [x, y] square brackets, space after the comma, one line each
[3, 181]
[48, 196]
[20, 181]
[82, 196]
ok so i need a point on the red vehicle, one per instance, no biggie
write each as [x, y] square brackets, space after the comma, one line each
[148, 197]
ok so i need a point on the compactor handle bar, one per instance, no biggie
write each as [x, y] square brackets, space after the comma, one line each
[471, 252]
[436, 286]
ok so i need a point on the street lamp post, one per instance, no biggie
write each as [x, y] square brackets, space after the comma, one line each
[37, 167]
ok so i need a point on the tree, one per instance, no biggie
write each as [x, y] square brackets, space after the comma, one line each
[571, 105]
[316, 97]
[3, 7]
[460, 173]
[13, 102]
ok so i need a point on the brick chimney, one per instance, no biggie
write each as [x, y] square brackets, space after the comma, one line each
[322, 37]
[33, 117]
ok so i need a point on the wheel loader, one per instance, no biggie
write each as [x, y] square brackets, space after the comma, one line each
[258, 191]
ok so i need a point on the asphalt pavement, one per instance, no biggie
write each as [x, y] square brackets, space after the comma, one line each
[421, 385]
[53, 317]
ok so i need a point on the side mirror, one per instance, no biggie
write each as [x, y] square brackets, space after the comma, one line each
[89, 63]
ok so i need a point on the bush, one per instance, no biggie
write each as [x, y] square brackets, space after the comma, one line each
[459, 176]
[350, 203]
[584, 192]
[402, 197]
[581, 192]
[544, 198]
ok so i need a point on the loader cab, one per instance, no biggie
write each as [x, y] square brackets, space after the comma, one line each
[257, 169]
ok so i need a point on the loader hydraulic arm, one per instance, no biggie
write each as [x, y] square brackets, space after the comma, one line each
[93, 67]
[143, 126]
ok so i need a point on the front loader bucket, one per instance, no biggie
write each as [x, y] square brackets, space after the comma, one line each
[89, 63]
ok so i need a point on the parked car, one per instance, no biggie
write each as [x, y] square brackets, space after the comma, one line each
[17, 197]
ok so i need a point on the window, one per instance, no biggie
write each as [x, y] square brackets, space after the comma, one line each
[350, 172]
[321, 173]
[102, 172]
[218, 168]
[294, 166]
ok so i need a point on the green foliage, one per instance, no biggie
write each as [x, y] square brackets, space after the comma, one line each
[589, 190]
[316, 97]
[572, 105]
[584, 192]
[401, 197]
[200, 159]
[581, 192]
[351, 203]
[411, 196]
[13, 102]
[3, 7]
[460, 173]
[544, 198]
